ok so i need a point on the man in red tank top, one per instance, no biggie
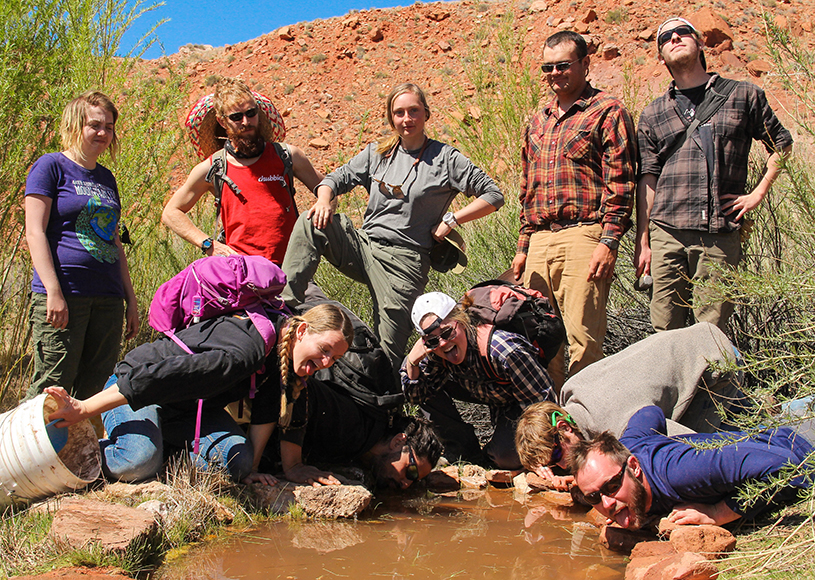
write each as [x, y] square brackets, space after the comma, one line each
[259, 220]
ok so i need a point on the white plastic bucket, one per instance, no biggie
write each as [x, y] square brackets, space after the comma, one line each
[30, 467]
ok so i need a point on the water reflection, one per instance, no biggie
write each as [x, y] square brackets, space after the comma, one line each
[492, 535]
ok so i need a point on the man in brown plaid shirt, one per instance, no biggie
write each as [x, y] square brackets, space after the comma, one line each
[577, 195]
[691, 194]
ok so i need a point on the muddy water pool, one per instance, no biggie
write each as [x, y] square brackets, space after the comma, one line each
[493, 534]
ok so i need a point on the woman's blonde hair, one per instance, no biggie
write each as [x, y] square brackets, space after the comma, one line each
[390, 142]
[321, 318]
[75, 116]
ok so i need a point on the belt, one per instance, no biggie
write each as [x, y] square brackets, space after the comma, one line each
[556, 226]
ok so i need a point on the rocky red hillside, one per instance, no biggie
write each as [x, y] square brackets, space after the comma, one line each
[329, 77]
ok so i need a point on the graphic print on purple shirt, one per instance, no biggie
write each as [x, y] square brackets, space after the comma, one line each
[82, 225]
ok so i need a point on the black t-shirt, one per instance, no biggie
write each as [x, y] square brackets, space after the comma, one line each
[687, 103]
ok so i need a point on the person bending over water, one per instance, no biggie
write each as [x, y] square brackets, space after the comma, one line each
[149, 405]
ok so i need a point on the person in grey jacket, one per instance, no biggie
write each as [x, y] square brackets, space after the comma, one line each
[411, 181]
[685, 372]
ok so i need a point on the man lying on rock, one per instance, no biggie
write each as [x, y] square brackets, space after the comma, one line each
[339, 430]
[681, 371]
[693, 478]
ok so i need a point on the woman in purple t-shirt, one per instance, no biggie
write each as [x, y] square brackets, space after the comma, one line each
[80, 278]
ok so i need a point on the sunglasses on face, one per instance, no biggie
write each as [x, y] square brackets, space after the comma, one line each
[412, 471]
[558, 66]
[434, 340]
[608, 489]
[666, 35]
[238, 117]
[557, 452]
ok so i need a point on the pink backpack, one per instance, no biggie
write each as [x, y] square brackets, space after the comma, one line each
[214, 286]
[219, 285]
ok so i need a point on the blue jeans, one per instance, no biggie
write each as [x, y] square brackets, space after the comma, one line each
[134, 450]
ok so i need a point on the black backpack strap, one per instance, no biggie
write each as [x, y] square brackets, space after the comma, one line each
[715, 97]
[284, 152]
[217, 177]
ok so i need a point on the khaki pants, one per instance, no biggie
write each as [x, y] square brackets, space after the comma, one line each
[395, 275]
[557, 265]
[680, 259]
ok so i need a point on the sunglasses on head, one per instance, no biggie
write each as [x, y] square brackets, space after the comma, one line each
[666, 35]
[412, 471]
[608, 489]
[559, 66]
[434, 340]
[238, 117]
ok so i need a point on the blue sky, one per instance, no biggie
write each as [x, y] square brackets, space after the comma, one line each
[231, 21]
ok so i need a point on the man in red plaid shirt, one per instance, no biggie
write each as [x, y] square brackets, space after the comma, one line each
[577, 195]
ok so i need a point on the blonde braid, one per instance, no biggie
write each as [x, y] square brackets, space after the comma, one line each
[285, 346]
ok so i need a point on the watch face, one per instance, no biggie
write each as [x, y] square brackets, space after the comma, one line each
[206, 245]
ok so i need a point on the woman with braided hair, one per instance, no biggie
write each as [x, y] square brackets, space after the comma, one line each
[150, 405]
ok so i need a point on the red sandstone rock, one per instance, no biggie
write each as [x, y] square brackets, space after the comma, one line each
[538, 6]
[82, 522]
[376, 34]
[444, 46]
[622, 540]
[759, 67]
[499, 477]
[596, 518]
[589, 16]
[710, 541]
[684, 566]
[610, 52]
[536, 482]
[333, 501]
[319, 143]
[285, 33]
[713, 28]
[443, 480]
[651, 549]
[474, 481]
[665, 528]
[436, 14]
[562, 498]
[731, 60]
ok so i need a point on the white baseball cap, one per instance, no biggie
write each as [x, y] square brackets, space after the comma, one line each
[437, 303]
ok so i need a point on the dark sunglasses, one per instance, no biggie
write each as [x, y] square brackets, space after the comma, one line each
[412, 471]
[238, 117]
[557, 452]
[666, 35]
[434, 340]
[608, 489]
[559, 66]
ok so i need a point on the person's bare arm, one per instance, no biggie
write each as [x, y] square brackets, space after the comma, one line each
[741, 204]
[697, 513]
[183, 200]
[291, 455]
[642, 245]
[37, 214]
[258, 436]
[73, 410]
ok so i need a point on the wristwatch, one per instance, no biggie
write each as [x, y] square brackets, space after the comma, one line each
[450, 219]
[206, 245]
[610, 243]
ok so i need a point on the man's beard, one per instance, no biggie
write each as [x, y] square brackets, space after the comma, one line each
[636, 507]
[247, 143]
